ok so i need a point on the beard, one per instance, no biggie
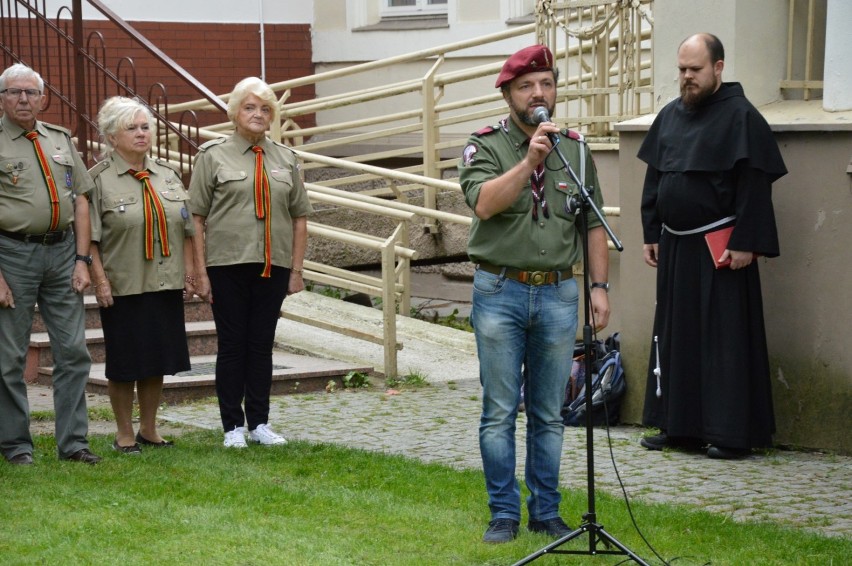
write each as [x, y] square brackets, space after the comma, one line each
[525, 115]
[691, 99]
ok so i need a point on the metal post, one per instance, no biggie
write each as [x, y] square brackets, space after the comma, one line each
[80, 82]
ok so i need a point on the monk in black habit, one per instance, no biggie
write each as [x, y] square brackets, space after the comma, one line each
[711, 160]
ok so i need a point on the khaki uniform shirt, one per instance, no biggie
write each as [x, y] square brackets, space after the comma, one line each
[118, 225]
[24, 198]
[222, 189]
[513, 238]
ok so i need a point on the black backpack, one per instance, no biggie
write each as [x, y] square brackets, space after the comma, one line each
[608, 384]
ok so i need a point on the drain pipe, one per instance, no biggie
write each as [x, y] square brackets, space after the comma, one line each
[262, 42]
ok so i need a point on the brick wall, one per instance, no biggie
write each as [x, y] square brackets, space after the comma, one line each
[217, 55]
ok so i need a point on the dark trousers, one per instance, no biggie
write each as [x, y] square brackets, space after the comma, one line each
[246, 309]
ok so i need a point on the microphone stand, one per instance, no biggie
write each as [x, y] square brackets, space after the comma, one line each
[578, 205]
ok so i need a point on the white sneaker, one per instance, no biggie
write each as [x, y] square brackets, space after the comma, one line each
[236, 438]
[265, 435]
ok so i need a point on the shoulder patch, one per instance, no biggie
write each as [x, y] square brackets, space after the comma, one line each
[571, 134]
[49, 126]
[99, 168]
[485, 131]
[166, 163]
[211, 143]
[287, 147]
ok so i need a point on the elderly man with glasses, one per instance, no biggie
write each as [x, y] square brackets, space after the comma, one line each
[44, 253]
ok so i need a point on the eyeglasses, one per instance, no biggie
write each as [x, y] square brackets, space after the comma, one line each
[16, 92]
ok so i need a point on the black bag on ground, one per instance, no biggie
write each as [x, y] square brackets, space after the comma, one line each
[608, 384]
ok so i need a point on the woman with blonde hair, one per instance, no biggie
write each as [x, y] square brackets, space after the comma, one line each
[142, 267]
[251, 207]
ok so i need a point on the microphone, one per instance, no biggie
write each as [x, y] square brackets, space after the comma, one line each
[540, 114]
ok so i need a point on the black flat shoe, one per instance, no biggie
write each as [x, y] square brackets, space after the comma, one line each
[132, 449]
[145, 442]
[722, 453]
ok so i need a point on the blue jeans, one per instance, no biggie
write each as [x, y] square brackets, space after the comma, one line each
[519, 324]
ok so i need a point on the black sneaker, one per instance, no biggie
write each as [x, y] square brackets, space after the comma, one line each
[501, 530]
[555, 527]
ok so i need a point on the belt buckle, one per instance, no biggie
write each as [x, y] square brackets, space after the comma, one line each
[538, 277]
[50, 238]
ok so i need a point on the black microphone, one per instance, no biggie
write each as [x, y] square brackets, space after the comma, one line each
[540, 114]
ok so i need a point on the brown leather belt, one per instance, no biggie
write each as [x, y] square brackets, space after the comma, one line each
[46, 239]
[528, 277]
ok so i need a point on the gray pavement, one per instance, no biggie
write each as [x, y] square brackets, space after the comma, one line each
[439, 423]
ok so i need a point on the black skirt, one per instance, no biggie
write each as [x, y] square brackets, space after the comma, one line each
[145, 336]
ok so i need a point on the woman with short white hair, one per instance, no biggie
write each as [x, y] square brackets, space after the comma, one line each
[251, 207]
[142, 268]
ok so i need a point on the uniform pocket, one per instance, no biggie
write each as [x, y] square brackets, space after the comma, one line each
[229, 175]
[122, 210]
[11, 168]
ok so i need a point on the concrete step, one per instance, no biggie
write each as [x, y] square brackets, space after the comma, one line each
[291, 373]
[194, 310]
[200, 336]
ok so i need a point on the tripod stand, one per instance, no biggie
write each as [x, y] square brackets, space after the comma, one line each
[579, 205]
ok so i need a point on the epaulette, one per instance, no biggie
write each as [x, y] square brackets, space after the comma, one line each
[169, 164]
[486, 130]
[285, 146]
[99, 168]
[49, 126]
[571, 134]
[206, 145]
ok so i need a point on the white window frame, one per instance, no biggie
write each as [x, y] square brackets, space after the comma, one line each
[421, 7]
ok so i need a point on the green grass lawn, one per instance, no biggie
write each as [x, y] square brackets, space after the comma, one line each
[307, 504]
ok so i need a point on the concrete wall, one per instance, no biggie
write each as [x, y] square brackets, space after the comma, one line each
[806, 291]
[753, 33]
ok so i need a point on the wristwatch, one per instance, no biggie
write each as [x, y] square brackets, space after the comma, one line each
[599, 285]
[87, 259]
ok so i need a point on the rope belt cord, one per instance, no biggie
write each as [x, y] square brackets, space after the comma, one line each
[700, 229]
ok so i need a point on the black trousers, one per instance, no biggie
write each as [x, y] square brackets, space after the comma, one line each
[246, 309]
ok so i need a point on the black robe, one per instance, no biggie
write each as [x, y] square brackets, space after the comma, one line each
[705, 164]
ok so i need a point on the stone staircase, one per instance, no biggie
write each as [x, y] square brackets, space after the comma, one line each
[292, 373]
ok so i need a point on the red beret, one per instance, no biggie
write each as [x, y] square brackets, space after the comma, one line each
[533, 59]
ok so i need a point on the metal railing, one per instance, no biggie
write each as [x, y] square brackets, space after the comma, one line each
[432, 116]
[805, 46]
[604, 52]
[73, 63]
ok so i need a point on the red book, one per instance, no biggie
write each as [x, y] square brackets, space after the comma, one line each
[717, 243]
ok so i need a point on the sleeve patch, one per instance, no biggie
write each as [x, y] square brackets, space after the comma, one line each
[468, 154]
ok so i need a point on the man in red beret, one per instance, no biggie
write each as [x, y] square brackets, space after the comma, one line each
[525, 243]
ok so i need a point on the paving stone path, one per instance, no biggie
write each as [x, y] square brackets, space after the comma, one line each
[439, 423]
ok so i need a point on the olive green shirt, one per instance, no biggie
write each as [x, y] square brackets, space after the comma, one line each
[513, 238]
[24, 198]
[118, 226]
[222, 190]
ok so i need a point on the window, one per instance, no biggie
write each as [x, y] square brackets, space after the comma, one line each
[391, 8]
